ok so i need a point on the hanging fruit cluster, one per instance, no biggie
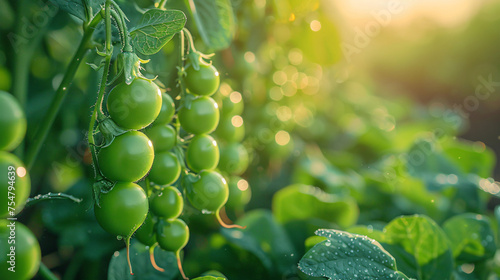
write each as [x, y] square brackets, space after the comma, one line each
[153, 152]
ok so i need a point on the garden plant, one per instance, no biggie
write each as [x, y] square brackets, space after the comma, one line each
[216, 139]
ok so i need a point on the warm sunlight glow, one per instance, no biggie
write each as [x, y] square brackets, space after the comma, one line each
[237, 121]
[21, 172]
[282, 138]
[235, 97]
[242, 185]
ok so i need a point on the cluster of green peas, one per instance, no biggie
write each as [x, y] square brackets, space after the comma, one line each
[143, 140]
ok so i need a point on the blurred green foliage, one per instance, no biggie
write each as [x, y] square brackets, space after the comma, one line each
[350, 156]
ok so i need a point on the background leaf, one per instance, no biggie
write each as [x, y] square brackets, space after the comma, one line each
[155, 29]
[349, 256]
[472, 238]
[424, 242]
[266, 239]
[299, 202]
[215, 22]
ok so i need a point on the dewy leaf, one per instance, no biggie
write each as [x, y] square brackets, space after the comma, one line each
[215, 22]
[420, 238]
[155, 29]
[349, 256]
[139, 256]
[299, 202]
[471, 237]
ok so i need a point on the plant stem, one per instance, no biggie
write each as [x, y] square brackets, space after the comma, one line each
[162, 3]
[180, 78]
[102, 88]
[51, 114]
[190, 40]
[122, 25]
[23, 53]
[147, 182]
[45, 273]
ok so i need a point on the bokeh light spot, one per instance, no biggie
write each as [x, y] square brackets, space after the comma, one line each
[276, 93]
[279, 78]
[235, 97]
[237, 121]
[242, 185]
[282, 138]
[249, 57]
[21, 172]
[315, 25]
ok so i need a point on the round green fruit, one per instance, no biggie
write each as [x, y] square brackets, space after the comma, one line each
[167, 110]
[232, 104]
[134, 106]
[239, 192]
[168, 203]
[231, 129]
[233, 159]
[204, 81]
[202, 116]
[163, 136]
[128, 158]
[15, 179]
[166, 169]
[123, 209]
[27, 251]
[202, 153]
[146, 234]
[207, 192]
[172, 235]
[12, 122]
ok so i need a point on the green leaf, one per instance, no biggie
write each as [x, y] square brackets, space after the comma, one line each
[349, 256]
[472, 238]
[266, 239]
[299, 202]
[141, 264]
[209, 278]
[470, 157]
[423, 241]
[77, 7]
[155, 29]
[441, 166]
[215, 22]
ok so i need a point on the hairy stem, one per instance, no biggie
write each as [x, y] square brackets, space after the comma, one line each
[102, 88]
[122, 25]
[162, 3]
